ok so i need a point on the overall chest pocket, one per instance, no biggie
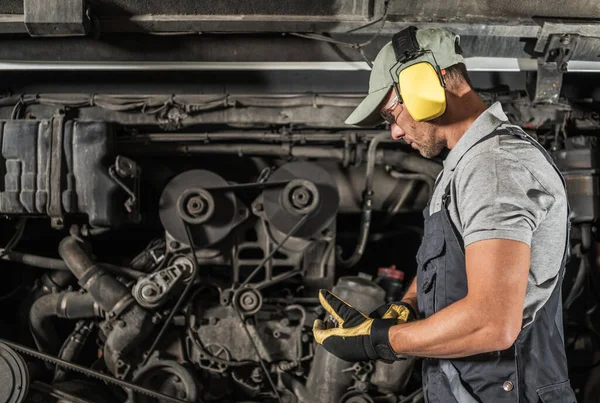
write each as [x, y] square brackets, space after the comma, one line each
[430, 260]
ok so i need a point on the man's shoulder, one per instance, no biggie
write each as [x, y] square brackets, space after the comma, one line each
[505, 158]
[505, 148]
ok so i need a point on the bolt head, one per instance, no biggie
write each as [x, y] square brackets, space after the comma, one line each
[149, 292]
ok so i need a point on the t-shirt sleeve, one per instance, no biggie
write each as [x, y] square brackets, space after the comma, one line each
[498, 197]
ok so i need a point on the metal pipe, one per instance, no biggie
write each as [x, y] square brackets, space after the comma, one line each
[428, 180]
[267, 150]
[412, 177]
[473, 64]
[308, 137]
[410, 162]
[394, 157]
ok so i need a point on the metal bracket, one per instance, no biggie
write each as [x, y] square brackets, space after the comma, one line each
[552, 28]
[126, 168]
[551, 66]
[152, 290]
[55, 210]
[56, 17]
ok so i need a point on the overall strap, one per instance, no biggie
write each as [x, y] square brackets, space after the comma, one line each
[518, 132]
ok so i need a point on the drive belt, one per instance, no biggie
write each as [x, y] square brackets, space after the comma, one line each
[90, 373]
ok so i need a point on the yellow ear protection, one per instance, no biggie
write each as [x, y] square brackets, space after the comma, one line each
[418, 80]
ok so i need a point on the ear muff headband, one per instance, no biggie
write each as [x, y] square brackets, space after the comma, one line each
[418, 80]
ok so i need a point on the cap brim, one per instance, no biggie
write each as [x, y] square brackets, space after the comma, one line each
[367, 112]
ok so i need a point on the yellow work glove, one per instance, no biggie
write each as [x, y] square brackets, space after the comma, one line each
[356, 336]
[399, 309]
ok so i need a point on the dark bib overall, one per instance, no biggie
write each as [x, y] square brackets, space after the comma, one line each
[534, 369]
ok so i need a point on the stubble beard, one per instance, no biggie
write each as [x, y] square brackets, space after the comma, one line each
[429, 146]
[431, 150]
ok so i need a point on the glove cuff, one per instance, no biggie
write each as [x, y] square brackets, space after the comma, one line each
[380, 339]
[412, 315]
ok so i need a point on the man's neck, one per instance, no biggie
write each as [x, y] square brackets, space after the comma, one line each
[464, 110]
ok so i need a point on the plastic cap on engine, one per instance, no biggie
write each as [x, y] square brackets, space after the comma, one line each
[391, 272]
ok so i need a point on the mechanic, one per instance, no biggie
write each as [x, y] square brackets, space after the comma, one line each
[491, 263]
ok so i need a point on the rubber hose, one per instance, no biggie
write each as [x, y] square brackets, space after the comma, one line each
[73, 346]
[135, 322]
[577, 287]
[102, 286]
[57, 264]
[367, 204]
[71, 305]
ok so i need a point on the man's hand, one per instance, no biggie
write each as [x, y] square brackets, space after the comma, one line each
[356, 336]
[400, 310]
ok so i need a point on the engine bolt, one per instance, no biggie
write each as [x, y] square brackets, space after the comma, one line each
[256, 375]
[174, 245]
[149, 292]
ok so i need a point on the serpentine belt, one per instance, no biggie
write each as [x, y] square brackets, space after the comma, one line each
[89, 372]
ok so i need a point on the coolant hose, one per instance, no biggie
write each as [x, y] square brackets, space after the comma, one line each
[367, 204]
[135, 322]
[73, 346]
[106, 290]
[59, 265]
[69, 305]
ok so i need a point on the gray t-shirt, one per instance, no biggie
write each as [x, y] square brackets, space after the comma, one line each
[505, 188]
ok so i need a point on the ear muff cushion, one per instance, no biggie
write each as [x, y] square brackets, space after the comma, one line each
[422, 93]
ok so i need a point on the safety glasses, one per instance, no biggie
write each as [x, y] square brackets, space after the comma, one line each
[388, 113]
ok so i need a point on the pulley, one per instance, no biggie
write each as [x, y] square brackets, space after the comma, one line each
[188, 200]
[14, 376]
[168, 377]
[310, 190]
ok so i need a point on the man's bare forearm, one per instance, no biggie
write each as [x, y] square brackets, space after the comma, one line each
[490, 316]
[458, 330]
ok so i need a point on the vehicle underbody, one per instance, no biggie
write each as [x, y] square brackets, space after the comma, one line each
[178, 183]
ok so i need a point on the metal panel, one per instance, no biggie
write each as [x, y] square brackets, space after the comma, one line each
[452, 10]
[56, 17]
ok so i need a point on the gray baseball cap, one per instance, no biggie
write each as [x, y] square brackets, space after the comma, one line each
[444, 46]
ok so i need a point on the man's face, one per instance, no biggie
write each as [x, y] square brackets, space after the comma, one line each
[422, 136]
